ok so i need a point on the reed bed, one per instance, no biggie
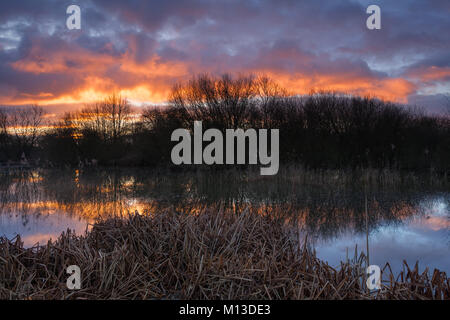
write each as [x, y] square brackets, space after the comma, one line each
[212, 254]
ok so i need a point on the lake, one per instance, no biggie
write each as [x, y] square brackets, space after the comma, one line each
[408, 218]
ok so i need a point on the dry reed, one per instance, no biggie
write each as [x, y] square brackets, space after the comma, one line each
[214, 254]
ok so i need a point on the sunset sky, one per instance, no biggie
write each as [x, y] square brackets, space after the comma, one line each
[141, 48]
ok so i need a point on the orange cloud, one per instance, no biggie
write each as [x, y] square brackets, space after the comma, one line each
[392, 89]
[90, 69]
[97, 74]
[431, 73]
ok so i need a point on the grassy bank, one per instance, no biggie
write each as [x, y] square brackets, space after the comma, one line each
[212, 254]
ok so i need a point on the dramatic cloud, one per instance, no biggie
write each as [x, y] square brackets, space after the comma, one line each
[141, 48]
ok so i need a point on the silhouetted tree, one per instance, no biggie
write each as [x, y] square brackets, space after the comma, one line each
[320, 130]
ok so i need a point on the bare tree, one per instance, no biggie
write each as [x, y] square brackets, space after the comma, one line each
[3, 133]
[223, 101]
[108, 119]
[25, 125]
[3, 123]
[447, 105]
[152, 116]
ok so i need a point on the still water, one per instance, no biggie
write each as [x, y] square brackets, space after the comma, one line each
[405, 221]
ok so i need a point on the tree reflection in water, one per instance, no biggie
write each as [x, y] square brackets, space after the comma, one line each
[327, 206]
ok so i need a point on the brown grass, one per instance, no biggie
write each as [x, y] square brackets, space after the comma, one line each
[215, 254]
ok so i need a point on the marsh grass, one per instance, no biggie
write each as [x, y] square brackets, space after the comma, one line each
[213, 253]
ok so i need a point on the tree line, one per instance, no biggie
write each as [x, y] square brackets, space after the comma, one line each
[319, 130]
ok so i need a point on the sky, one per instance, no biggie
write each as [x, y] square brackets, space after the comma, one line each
[142, 48]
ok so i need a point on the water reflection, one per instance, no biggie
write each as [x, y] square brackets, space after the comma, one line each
[422, 236]
[404, 222]
[39, 227]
